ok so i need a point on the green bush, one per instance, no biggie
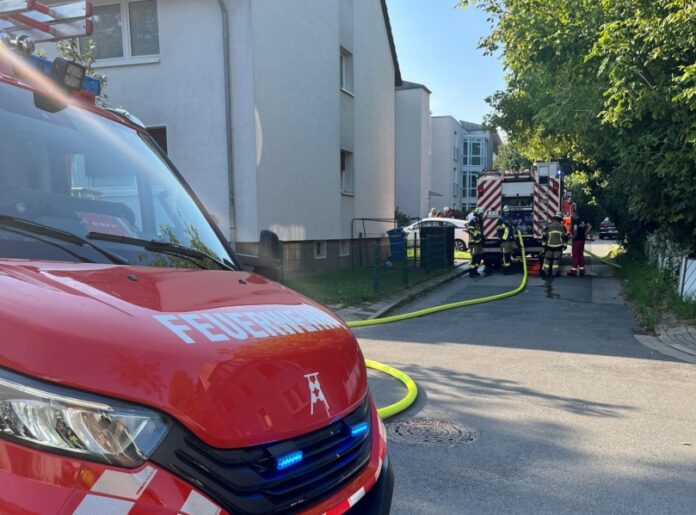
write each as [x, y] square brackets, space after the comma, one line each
[652, 292]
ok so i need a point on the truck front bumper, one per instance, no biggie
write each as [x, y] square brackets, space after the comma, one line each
[35, 481]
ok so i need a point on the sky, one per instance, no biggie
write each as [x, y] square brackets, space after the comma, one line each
[436, 45]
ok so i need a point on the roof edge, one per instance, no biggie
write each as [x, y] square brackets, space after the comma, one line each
[405, 85]
[397, 70]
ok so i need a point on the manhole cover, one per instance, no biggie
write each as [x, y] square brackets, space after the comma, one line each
[429, 431]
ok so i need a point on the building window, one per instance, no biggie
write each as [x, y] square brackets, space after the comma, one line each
[144, 31]
[344, 248]
[346, 70]
[159, 134]
[320, 249]
[476, 153]
[125, 32]
[347, 173]
[473, 179]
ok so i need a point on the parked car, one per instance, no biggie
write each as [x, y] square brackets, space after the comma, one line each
[461, 237]
[607, 229]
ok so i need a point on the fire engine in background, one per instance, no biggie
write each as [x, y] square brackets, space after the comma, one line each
[533, 196]
[141, 369]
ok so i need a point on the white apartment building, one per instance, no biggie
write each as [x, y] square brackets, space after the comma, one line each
[460, 152]
[479, 147]
[307, 141]
[446, 163]
[412, 149]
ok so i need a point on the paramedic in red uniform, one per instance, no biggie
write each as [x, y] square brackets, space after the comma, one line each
[579, 230]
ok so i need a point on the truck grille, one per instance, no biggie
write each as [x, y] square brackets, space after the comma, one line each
[247, 480]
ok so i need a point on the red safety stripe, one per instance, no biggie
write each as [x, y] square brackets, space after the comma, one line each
[488, 193]
[492, 196]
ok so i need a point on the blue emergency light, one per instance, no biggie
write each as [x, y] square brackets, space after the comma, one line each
[288, 460]
[359, 429]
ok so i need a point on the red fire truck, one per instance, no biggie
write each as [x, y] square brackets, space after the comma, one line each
[533, 196]
[142, 370]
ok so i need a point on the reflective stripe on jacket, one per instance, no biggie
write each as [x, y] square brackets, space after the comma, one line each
[475, 233]
[504, 229]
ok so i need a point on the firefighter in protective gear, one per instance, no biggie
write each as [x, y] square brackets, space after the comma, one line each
[507, 239]
[554, 240]
[475, 230]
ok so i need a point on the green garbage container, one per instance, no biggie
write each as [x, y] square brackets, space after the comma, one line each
[437, 247]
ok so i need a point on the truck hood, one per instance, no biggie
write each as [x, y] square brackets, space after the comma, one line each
[236, 358]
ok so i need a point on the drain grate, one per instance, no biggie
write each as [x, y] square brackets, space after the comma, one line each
[430, 431]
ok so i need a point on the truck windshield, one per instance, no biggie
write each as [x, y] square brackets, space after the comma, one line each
[83, 174]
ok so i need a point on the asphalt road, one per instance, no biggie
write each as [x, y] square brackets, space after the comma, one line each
[570, 413]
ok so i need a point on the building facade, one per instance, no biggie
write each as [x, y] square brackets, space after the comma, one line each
[446, 163]
[308, 141]
[479, 147]
[412, 179]
[460, 152]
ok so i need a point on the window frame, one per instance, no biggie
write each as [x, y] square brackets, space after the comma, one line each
[344, 248]
[346, 79]
[128, 57]
[347, 171]
[322, 245]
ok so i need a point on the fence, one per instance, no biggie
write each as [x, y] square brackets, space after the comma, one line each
[370, 269]
[687, 279]
[677, 260]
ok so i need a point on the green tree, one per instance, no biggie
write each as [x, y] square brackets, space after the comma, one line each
[610, 87]
[510, 157]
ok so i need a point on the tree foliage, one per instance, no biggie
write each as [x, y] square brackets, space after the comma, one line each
[610, 86]
[511, 157]
[70, 49]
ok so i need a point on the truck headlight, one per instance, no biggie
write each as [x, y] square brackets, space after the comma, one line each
[85, 426]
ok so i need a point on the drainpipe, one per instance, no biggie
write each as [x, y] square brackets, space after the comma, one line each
[228, 110]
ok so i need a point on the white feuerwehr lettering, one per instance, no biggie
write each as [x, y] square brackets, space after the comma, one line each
[224, 326]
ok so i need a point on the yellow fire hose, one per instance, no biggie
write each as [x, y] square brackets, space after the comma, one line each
[605, 261]
[397, 407]
[412, 389]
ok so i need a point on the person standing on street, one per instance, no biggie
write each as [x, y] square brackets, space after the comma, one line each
[554, 241]
[507, 239]
[579, 230]
[475, 230]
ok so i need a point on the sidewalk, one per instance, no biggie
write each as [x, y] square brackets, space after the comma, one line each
[369, 311]
[673, 338]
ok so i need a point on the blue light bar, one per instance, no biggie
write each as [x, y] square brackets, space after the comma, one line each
[359, 429]
[288, 460]
[92, 85]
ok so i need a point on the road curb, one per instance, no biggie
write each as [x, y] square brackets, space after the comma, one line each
[379, 309]
[414, 294]
[654, 343]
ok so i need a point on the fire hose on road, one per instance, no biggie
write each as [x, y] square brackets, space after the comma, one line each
[412, 389]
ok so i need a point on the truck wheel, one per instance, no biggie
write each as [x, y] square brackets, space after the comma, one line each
[459, 246]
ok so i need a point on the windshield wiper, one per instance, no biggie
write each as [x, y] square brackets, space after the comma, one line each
[31, 228]
[162, 247]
